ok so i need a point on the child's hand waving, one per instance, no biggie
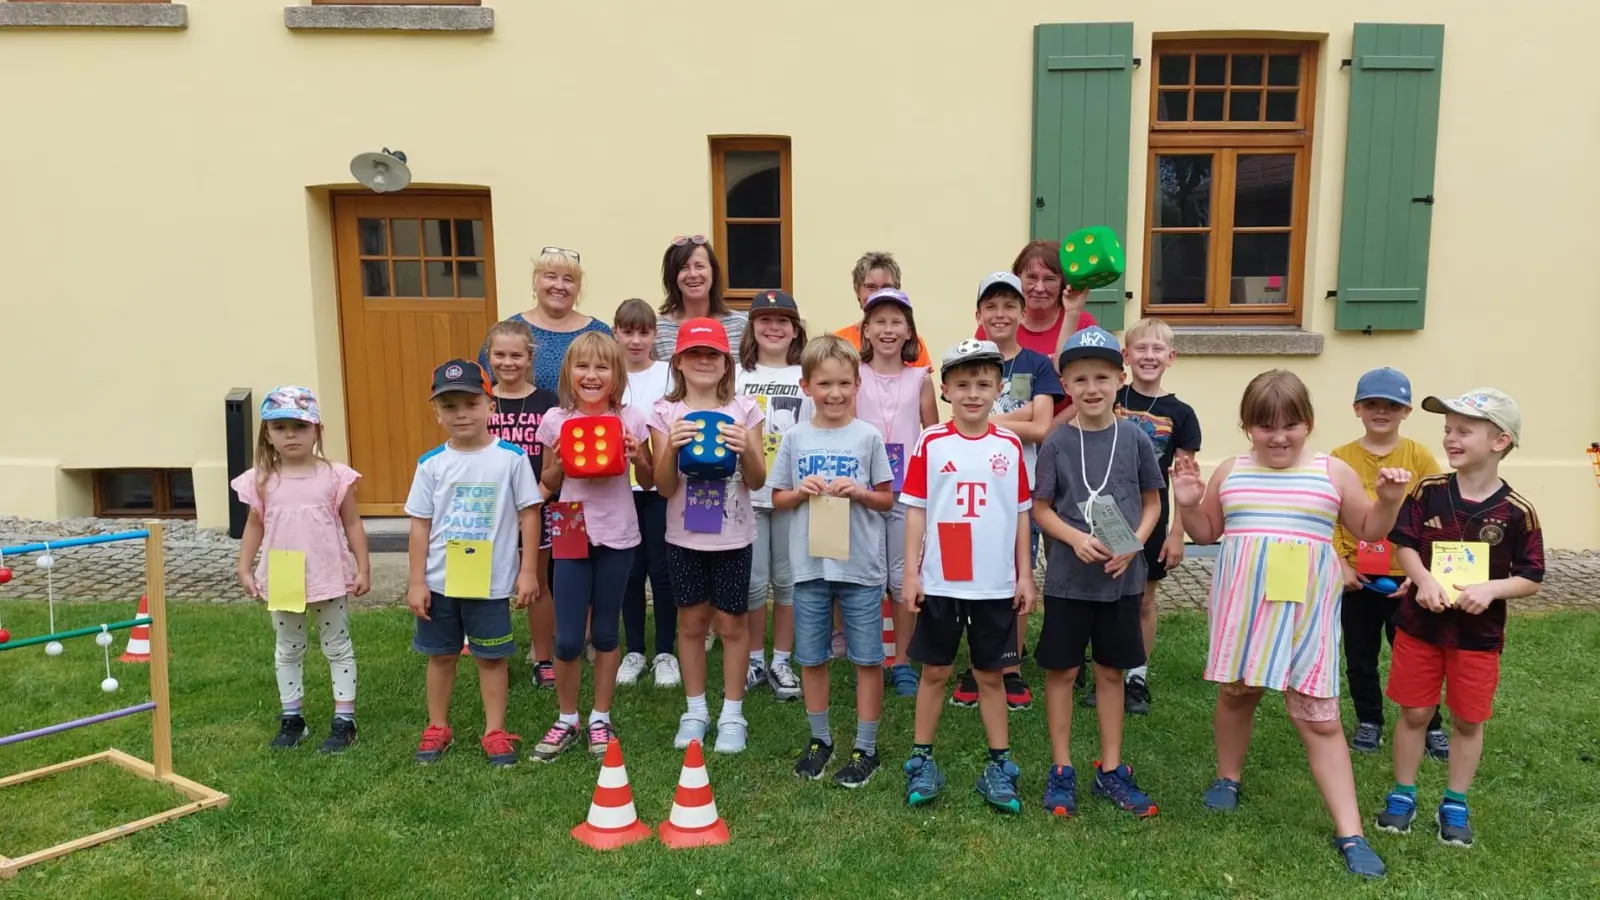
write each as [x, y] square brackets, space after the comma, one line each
[1392, 485]
[1188, 488]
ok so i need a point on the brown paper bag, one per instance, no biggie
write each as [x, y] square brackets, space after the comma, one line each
[830, 527]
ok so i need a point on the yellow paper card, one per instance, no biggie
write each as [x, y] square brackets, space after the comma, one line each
[467, 565]
[286, 581]
[830, 527]
[1459, 562]
[1288, 571]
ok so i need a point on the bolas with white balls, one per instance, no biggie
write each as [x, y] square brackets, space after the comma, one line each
[103, 639]
[46, 561]
[53, 648]
[109, 685]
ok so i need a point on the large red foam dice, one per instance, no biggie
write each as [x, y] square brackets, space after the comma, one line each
[592, 447]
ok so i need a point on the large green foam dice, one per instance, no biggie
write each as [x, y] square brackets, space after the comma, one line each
[1092, 257]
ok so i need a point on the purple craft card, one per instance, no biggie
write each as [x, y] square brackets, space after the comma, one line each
[702, 506]
[897, 465]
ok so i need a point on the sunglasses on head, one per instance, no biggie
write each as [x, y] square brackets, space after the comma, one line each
[561, 251]
[682, 239]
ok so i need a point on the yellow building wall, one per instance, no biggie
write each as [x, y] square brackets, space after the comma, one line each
[165, 231]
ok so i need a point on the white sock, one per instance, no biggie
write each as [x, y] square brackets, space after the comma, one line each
[780, 656]
[733, 709]
[596, 715]
[569, 719]
[759, 657]
[1140, 672]
[698, 708]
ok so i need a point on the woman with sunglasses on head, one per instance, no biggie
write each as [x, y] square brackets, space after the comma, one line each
[554, 318]
[691, 276]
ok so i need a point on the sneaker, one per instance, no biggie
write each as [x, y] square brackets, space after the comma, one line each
[966, 692]
[1399, 809]
[1136, 697]
[544, 675]
[601, 734]
[838, 645]
[924, 781]
[814, 760]
[858, 771]
[630, 670]
[711, 640]
[904, 680]
[340, 737]
[1359, 857]
[755, 675]
[559, 739]
[731, 735]
[785, 685]
[1437, 744]
[1119, 787]
[1018, 697]
[1061, 791]
[588, 652]
[501, 748]
[291, 731]
[998, 785]
[664, 671]
[1368, 738]
[691, 728]
[1453, 827]
[436, 739]
[1223, 795]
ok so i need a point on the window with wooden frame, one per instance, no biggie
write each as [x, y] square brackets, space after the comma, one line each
[1229, 170]
[752, 212]
[134, 493]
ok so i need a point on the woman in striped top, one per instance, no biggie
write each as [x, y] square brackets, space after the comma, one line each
[1275, 597]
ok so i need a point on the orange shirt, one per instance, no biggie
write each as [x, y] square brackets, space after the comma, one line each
[852, 333]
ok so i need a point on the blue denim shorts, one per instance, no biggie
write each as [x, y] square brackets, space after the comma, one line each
[486, 625]
[861, 608]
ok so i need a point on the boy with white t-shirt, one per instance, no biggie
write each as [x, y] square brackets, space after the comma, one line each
[635, 328]
[967, 502]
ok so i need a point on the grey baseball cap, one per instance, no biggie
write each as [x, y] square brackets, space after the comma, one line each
[997, 280]
[970, 351]
[1491, 405]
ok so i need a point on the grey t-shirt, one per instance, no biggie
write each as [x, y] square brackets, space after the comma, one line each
[856, 452]
[1061, 483]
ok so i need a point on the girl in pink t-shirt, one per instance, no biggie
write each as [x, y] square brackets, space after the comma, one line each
[303, 521]
[591, 569]
[710, 562]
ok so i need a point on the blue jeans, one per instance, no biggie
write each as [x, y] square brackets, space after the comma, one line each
[596, 584]
[861, 608]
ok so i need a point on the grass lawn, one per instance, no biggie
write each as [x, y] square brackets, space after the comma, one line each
[373, 824]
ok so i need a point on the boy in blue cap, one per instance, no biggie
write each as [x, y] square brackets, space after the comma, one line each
[1374, 583]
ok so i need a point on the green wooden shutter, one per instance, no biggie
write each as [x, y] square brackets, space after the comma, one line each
[1388, 177]
[1082, 103]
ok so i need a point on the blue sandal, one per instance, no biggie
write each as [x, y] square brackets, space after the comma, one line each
[1223, 795]
[1359, 857]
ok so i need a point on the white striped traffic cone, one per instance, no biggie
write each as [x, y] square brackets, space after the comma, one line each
[694, 821]
[888, 632]
[613, 822]
[139, 637]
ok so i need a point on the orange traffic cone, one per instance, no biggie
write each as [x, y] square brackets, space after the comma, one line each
[612, 822]
[888, 631]
[694, 821]
[139, 638]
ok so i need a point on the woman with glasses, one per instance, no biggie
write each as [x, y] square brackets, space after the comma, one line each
[554, 318]
[691, 277]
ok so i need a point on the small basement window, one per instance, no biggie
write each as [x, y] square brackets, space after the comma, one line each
[143, 493]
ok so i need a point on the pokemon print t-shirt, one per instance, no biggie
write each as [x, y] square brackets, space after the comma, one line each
[777, 392]
[474, 496]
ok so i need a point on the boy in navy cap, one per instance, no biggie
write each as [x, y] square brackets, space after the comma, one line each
[1373, 579]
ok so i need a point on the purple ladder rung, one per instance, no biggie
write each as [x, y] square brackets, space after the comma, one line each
[48, 730]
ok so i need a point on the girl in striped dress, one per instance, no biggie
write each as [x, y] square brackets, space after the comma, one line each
[1275, 598]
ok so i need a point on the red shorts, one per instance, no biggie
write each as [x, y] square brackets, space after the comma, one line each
[1418, 670]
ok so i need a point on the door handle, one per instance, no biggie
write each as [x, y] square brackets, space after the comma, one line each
[1428, 199]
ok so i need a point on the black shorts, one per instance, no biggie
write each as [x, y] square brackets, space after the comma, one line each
[1111, 627]
[990, 627]
[1154, 570]
[721, 576]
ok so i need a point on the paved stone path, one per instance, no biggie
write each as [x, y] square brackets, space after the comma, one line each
[201, 565]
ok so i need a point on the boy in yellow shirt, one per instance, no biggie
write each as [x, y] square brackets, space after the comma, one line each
[1374, 583]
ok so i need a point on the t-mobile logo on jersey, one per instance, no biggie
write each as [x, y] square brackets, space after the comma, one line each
[971, 496]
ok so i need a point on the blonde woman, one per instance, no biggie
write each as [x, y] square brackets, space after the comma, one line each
[554, 318]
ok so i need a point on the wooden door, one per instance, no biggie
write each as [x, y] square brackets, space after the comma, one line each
[416, 287]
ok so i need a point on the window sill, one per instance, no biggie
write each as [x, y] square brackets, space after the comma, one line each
[94, 15]
[1203, 340]
[388, 18]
